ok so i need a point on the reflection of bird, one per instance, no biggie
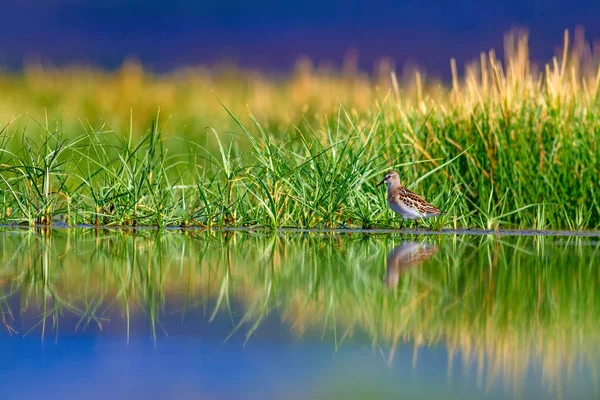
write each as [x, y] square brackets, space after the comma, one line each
[406, 203]
[403, 256]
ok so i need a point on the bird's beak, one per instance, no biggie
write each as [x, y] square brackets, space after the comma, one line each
[380, 183]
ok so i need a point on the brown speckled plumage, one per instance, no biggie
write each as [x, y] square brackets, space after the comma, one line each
[410, 199]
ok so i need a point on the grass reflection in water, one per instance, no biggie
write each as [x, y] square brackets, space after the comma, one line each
[505, 304]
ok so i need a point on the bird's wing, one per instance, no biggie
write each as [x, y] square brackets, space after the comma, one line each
[418, 202]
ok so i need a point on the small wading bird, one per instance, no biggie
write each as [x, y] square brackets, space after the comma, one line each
[406, 203]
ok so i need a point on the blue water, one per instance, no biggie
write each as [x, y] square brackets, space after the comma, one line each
[191, 357]
[88, 349]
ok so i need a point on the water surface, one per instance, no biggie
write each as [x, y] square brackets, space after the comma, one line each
[147, 314]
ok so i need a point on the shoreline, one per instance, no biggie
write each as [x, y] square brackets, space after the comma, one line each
[379, 231]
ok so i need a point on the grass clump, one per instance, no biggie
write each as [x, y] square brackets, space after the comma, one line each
[507, 145]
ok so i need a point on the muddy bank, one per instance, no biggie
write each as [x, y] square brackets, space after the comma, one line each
[378, 231]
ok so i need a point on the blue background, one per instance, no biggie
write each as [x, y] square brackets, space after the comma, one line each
[272, 35]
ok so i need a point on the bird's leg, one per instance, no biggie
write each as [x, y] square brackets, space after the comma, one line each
[402, 223]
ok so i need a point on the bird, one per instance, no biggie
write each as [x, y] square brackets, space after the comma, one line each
[406, 203]
[404, 256]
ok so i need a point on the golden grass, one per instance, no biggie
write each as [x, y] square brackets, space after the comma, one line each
[569, 83]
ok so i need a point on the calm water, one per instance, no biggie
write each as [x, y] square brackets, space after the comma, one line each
[86, 314]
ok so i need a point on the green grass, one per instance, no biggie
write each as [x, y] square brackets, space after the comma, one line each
[510, 303]
[312, 177]
[507, 146]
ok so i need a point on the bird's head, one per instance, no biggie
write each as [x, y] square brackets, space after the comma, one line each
[391, 179]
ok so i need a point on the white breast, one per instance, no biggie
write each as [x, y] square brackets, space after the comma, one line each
[405, 212]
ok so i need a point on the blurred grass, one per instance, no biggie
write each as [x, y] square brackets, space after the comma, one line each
[505, 305]
[507, 144]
